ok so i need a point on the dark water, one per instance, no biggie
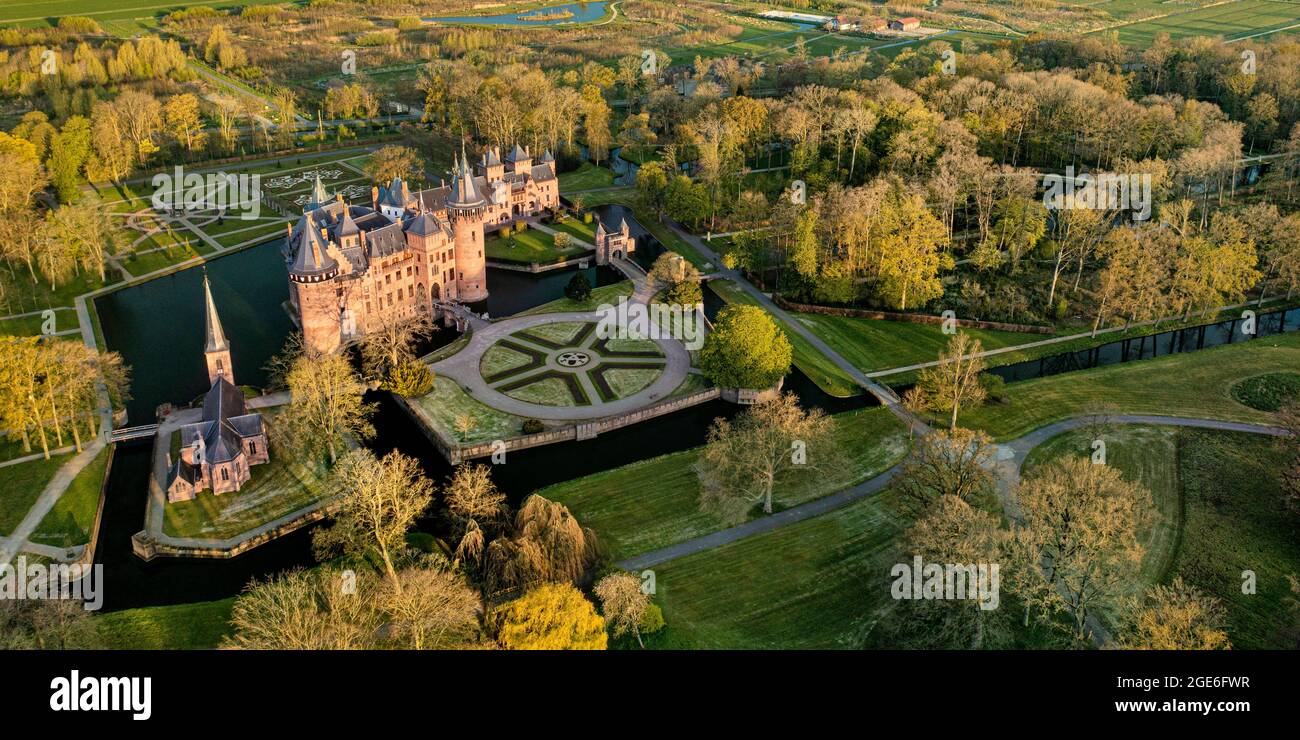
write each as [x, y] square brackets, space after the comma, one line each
[1156, 345]
[510, 292]
[158, 326]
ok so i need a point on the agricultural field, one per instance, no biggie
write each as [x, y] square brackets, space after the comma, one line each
[1233, 21]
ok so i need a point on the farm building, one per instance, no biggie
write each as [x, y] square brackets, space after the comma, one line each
[910, 23]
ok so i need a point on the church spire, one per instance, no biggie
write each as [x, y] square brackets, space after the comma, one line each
[216, 350]
[216, 336]
[318, 194]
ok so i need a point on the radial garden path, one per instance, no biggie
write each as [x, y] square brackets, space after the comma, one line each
[464, 368]
[1008, 460]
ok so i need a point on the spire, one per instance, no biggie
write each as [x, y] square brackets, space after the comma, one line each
[318, 194]
[215, 335]
[463, 190]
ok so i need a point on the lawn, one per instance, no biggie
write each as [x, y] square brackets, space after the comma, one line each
[276, 488]
[1220, 514]
[1194, 384]
[654, 503]
[814, 584]
[447, 403]
[197, 626]
[72, 519]
[818, 367]
[529, 246]
[877, 345]
[586, 177]
[547, 391]
[605, 294]
[21, 485]
[577, 228]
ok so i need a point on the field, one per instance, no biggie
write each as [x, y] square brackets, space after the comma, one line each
[878, 345]
[1196, 384]
[109, 13]
[655, 503]
[1220, 514]
[1233, 21]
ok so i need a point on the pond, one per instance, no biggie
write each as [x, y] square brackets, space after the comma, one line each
[549, 15]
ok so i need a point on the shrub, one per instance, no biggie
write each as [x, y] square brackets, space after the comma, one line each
[1267, 392]
[422, 541]
[1062, 308]
[410, 379]
[505, 232]
[653, 620]
[586, 218]
[579, 288]
[534, 426]
[995, 387]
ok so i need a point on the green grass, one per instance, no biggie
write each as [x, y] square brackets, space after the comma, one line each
[561, 332]
[21, 484]
[499, 358]
[878, 345]
[1195, 384]
[819, 368]
[577, 229]
[447, 402]
[1268, 392]
[807, 585]
[528, 246]
[604, 294]
[72, 519]
[276, 488]
[654, 503]
[449, 349]
[545, 392]
[1220, 512]
[627, 381]
[30, 326]
[586, 177]
[197, 626]
[1230, 21]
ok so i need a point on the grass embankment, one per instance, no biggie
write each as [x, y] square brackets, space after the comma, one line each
[21, 484]
[605, 294]
[655, 503]
[447, 404]
[1220, 513]
[1195, 384]
[818, 367]
[196, 626]
[71, 520]
[872, 344]
[587, 177]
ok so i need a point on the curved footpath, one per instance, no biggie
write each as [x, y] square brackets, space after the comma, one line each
[1008, 459]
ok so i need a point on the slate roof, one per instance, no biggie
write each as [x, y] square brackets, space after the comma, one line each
[309, 249]
[226, 423]
[214, 335]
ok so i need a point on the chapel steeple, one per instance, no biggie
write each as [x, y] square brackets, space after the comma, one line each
[216, 349]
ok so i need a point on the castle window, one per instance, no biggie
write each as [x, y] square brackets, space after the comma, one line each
[252, 448]
[390, 300]
[367, 306]
[225, 474]
[399, 294]
[388, 279]
[408, 270]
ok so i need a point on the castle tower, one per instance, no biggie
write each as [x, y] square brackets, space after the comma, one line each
[312, 289]
[318, 196]
[520, 160]
[467, 211]
[216, 350]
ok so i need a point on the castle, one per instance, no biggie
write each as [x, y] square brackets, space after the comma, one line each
[217, 452]
[353, 268]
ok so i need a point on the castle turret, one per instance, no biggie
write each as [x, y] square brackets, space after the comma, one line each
[318, 196]
[520, 160]
[216, 350]
[493, 169]
[467, 211]
[312, 289]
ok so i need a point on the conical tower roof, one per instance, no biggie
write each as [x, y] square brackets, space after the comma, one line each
[311, 257]
[214, 335]
[464, 193]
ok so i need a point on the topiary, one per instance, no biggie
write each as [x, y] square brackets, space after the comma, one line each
[579, 288]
